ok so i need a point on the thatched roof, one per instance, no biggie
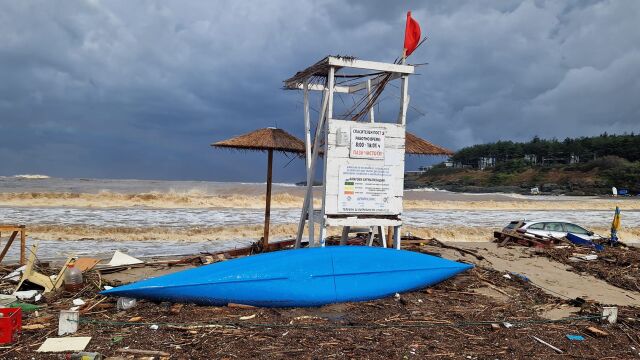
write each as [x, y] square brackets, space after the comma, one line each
[263, 140]
[415, 145]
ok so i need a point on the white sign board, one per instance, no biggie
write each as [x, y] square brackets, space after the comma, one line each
[359, 182]
[364, 189]
[367, 143]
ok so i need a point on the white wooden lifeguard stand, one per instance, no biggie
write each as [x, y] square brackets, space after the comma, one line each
[363, 159]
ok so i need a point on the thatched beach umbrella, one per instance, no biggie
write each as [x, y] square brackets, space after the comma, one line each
[415, 145]
[270, 140]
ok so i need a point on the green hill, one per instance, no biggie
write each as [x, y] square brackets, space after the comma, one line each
[582, 166]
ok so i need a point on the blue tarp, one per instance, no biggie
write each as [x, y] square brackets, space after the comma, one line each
[584, 242]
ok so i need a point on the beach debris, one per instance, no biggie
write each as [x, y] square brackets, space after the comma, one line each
[507, 325]
[547, 344]
[143, 352]
[68, 322]
[506, 276]
[25, 307]
[176, 308]
[74, 308]
[77, 343]
[583, 257]
[575, 337]
[248, 317]
[597, 332]
[577, 240]
[83, 355]
[5, 300]
[125, 303]
[121, 259]
[495, 327]
[10, 324]
[107, 287]
[610, 313]
[31, 275]
[135, 319]
[33, 327]
[154, 327]
[26, 294]
[15, 275]
[520, 276]
[78, 302]
[85, 263]
[240, 306]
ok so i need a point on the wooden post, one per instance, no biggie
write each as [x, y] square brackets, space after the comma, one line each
[23, 244]
[267, 208]
[389, 236]
[8, 245]
[14, 230]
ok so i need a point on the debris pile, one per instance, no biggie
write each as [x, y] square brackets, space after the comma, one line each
[480, 314]
[619, 266]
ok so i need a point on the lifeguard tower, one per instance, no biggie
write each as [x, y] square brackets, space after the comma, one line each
[362, 155]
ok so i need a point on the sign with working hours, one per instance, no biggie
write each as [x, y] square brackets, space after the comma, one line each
[364, 189]
[367, 143]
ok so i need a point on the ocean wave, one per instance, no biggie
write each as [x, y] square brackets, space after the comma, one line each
[244, 232]
[31, 176]
[198, 199]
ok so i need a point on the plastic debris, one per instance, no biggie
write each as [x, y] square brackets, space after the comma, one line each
[125, 303]
[15, 275]
[68, 322]
[78, 302]
[575, 337]
[249, 317]
[154, 327]
[26, 294]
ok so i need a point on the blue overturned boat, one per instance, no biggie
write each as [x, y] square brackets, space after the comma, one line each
[302, 277]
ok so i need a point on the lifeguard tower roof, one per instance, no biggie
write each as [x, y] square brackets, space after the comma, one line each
[317, 74]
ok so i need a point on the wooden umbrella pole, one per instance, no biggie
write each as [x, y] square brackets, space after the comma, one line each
[267, 208]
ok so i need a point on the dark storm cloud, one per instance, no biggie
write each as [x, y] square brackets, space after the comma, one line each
[139, 89]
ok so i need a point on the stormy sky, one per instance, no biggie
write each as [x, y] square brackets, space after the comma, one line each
[139, 89]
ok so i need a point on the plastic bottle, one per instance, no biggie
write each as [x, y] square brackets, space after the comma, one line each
[73, 281]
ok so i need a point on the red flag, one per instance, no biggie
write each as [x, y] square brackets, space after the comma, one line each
[411, 35]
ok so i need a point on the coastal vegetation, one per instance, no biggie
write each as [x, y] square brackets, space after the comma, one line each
[578, 166]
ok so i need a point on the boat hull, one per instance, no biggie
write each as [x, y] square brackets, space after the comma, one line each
[302, 277]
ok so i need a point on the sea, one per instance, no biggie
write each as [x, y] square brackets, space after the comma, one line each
[145, 218]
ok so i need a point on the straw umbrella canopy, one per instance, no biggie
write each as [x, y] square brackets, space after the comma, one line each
[415, 145]
[270, 140]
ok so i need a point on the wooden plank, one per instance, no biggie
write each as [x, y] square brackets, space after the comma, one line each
[10, 227]
[23, 245]
[370, 65]
[8, 245]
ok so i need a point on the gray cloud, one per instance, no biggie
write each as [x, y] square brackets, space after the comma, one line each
[139, 89]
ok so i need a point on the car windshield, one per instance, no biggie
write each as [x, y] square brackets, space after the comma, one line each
[575, 229]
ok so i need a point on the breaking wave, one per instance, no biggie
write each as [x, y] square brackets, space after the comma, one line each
[254, 232]
[200, 199]
[31, 176]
